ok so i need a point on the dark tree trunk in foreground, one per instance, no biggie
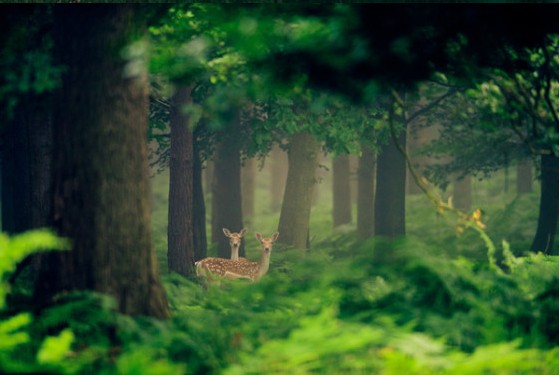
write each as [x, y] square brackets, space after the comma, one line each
[248, 172]
[180, 248]
[199, 209]
[100, 165]
[366, 193]
[296, 206]
[342, 204]
[525, 176]
[462, 194]
[390, 190]
[226, 195]
[26, 167]
[545, 238]
[278, 174]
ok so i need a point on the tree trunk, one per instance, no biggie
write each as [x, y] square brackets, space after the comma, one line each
[525, 177]
[100, 167]
[545, 238]
[278, 175]
[180, 244]
[354, 161]
[199, 209]
[390, 190]
[342, 205]
[462, 194]
[296, 206]
[226, 195]
[248, 172]
[26, 166]
[366, 193]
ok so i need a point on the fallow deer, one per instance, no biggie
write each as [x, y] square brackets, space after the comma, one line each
[235, 242]
[238, 269]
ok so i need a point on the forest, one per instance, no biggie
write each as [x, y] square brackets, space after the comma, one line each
[279, 188]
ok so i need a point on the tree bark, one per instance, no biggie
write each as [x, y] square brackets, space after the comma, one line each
[545, 238]
[462, 194]
[100, 167]
[278, 175]
[296, 206]
[180, 243]
[525, 177]
[390, 190]
[248, 172]
[342, 204]
[199, 209]
[366, 193]
[226, 194]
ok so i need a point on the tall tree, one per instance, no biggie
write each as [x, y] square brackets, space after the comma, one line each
[100, 171]
[226, 190]
[366, 193]
[248, 174]
[296, 206]
[278, 174]
[390, 188]
[342, 204]
[180, 248]
[548, 208]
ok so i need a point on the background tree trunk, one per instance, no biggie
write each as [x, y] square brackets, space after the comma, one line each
[100, 166]
[342, 205]
[296, 206]
[366, 193]
[390, 190]
[525, 176]
[248, 173]
[199, 209]
[545, 238]
[180, 243]
[226, 195]
[462, 193]
[278, 175]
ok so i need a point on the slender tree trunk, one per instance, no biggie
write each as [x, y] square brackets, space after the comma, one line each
[208, 176]
[226, 195]
[462, 194]
[180, 244]
[278, 175]
[354, 161]
[366, 193]
[390, 190]
[296, 206]
[248, 172]
[525, 177]
[342, 205]
[199, 209]
[545, 238]
[100, 167]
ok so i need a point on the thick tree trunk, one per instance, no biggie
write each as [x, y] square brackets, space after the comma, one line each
[462, 194]
[278, 175]
[525, 176]
[366, 193]
[248, 172]
[26, 166]
[296, 206]
[390, 190]
[545, 238]
[226, 195]
[180, 244]
[101, 187]
[342, 205]
[199, 209]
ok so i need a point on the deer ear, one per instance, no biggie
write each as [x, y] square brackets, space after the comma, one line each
[258, 236]
[226, 232]
[274, 237]
[242, 232]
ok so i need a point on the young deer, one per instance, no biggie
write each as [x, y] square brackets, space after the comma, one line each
[238, 269]
[235, 242]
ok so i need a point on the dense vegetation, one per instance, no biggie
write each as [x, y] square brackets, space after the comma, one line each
[136, 133]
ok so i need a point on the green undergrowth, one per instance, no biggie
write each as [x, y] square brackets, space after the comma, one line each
[344, 306]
